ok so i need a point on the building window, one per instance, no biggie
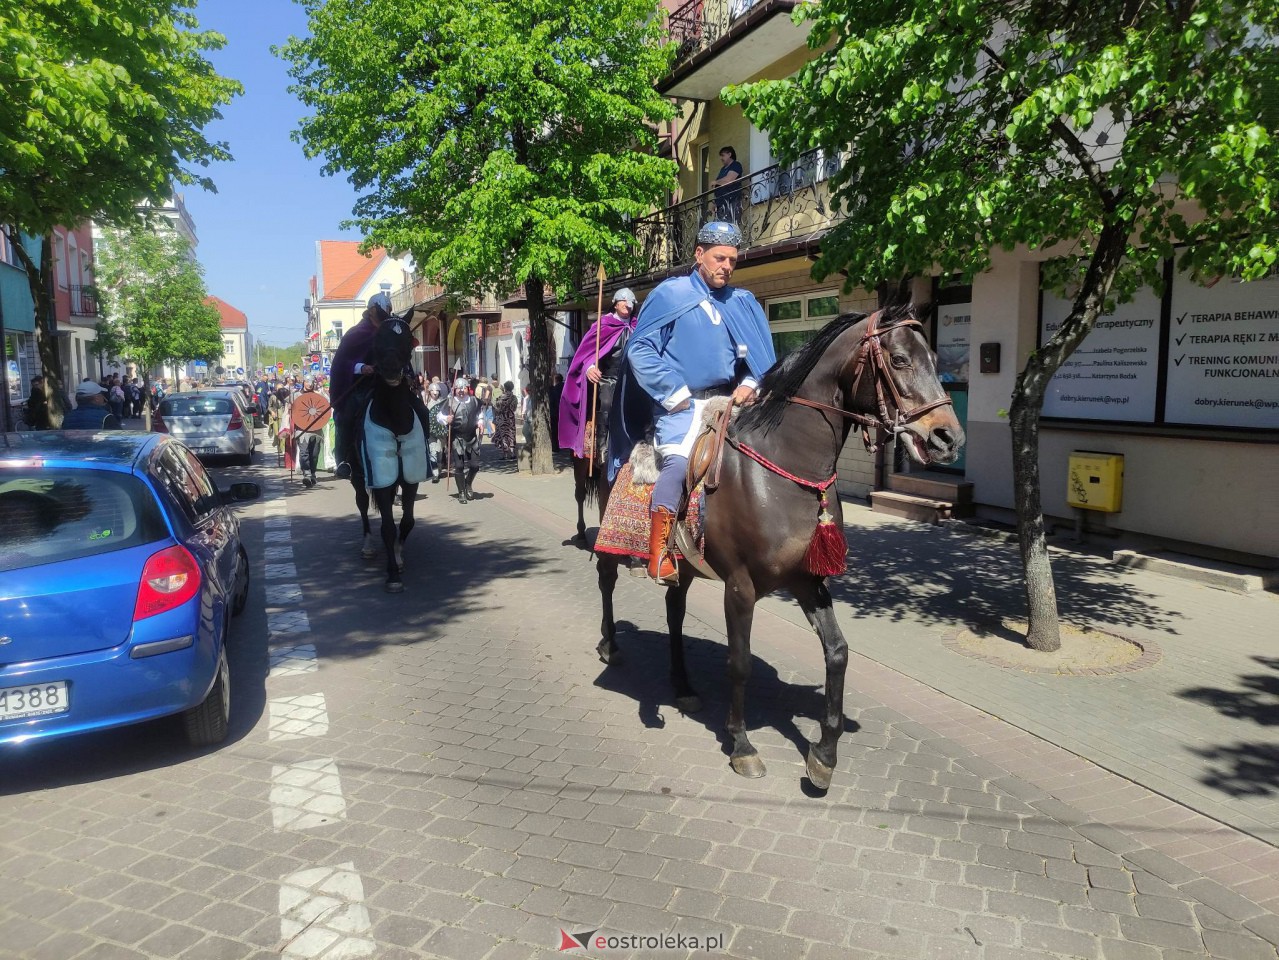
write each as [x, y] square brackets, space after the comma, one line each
[6, 248]
[60, 258]
[794, 320]
[17, 374]
[228, 346]
[337, 329]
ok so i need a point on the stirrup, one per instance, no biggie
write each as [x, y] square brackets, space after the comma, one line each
[343, 471]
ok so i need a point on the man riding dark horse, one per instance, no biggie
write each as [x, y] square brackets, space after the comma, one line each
[696, 338]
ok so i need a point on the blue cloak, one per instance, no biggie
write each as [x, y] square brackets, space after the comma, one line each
[633, 408]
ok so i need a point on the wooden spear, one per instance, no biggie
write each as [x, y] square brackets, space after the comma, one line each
[595, 388]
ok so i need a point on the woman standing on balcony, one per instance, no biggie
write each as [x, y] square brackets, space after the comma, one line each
[728, 196]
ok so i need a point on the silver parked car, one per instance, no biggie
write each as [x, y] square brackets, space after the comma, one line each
[212, 423]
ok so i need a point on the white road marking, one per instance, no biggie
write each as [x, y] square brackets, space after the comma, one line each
[322, 913]
[293, 660]
[276, 523]
[293, 718]
[287, 621]
[283, 594]
[277, 536]
[306, 795]
[277, 553]
[281, 571]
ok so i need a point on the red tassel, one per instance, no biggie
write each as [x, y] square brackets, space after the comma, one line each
[827, 551]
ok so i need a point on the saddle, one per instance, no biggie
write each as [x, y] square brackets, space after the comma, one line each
[624, 529]
[707, 455]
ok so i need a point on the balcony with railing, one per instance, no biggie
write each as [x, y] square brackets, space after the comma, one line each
[84, 301]
[757, 32]
[777, 208]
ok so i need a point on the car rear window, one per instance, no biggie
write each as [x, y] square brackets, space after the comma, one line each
[195, 407]
[49, 515]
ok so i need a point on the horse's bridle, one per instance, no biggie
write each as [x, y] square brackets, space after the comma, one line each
[870, 357]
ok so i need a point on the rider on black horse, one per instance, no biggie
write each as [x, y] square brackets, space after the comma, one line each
[351, 382]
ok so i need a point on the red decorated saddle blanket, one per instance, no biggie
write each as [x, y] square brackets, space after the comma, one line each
[624, 531]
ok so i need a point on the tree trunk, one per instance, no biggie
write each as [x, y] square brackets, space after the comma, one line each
[40, 280]
[1044, 631]
[541, 370]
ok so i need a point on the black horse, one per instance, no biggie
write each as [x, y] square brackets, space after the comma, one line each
[392, 448]
[778, 463]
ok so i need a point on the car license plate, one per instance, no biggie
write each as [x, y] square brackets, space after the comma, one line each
[34, 700]
[204, 450]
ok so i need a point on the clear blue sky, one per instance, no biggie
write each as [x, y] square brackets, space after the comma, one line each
[257, 233]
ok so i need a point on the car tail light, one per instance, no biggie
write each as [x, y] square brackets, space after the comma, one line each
[236, 422]
[169, 579]
[158, 425]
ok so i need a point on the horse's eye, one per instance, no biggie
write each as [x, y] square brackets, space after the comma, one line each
[901, 361]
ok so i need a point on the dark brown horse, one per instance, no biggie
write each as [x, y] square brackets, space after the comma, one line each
[874, 371]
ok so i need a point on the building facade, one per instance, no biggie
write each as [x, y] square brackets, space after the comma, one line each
[17, 318]
[339, 291]
[75, 305]
[237, 342]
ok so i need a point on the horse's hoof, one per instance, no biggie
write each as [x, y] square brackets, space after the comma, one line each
[747, 765]
[368, 549]
[689, 704]
[609, 653]
[818, 772]
[394, 586]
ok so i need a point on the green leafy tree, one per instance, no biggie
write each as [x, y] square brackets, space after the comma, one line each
[152, 299]
[504, 143]
[1112, 132]
[104, 106]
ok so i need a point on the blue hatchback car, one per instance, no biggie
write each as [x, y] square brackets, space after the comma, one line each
[120, 569]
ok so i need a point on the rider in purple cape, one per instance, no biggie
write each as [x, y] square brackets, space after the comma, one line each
[604, 355]
[643, 381]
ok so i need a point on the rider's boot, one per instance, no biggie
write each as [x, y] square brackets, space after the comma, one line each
[343, 471]
[461, 487]
[660, 565]
[470, 482]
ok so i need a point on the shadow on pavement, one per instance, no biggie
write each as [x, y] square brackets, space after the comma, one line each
[644, 676]
[916, 572]
[1244, 769]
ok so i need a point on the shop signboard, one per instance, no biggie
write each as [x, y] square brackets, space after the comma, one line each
[954, 321]
[1223, 353]
[1114, 373]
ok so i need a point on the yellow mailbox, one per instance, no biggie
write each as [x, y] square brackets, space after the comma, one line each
[1096, 481]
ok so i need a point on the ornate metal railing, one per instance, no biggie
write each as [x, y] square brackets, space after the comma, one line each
[84, 301]
[771, 206]
[700, 24]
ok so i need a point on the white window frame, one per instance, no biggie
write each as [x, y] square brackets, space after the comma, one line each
[60, 259]
[804, 321]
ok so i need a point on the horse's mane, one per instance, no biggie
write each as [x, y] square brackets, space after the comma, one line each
[785, 377]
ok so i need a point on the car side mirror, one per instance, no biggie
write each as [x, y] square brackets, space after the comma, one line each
[242, 492]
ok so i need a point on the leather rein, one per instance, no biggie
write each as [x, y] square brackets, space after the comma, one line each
[870, 357]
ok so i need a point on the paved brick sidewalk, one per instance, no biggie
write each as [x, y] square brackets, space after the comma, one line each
[501, 785]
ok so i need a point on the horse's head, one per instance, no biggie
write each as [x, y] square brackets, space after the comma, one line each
[392, 350]
[892, 376]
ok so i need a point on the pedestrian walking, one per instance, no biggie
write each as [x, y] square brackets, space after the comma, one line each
[439, 432]
[462, 416]
[504, 421]
[309, 415]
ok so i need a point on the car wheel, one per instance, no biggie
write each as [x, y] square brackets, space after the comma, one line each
[241, 583]
[245, 460]
[207, 724]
